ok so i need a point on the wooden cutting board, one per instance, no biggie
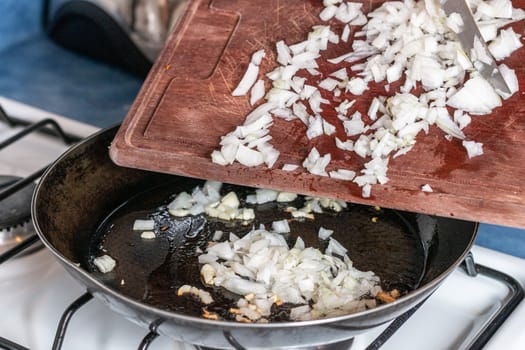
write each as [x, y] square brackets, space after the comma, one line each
[185, 106]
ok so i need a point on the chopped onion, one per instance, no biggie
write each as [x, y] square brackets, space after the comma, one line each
[290, 167]
[474, 149]
[183, 200]
[265, 195]
[505, 44]
[324, 233]
[426, 188]
[334, 247]
[204, 296]
[280, 226]
[286, 197]
[316, 164]
[354, 126]
[143, 225]
[147, 235]
[217, 235]
[265, 271]
[257, 92]
[342, 174]
[250, 76]
[410, 42]
[248, 157]
[476, 96]
[105, 263]
[356, 86]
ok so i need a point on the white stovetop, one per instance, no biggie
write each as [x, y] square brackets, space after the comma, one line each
[35, 290]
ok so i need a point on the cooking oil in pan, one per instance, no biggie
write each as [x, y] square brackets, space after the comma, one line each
[152, 270]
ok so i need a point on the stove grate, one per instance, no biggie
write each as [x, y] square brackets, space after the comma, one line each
[48, 126]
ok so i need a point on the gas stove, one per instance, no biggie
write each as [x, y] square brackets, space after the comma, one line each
[36, 291]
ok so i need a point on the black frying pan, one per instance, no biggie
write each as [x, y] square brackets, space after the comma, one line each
[85, 205]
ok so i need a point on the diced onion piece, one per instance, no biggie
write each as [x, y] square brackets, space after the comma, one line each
[218, 158]
[242, 286]
[258, 56]
[328, 84]
[143, 225]
[315, 127]
[455, 22]
[299, 244]
[356, 86]
[249, 157]
[105, 263]
[334, 247]
[204, 296]
[473, 148]
[290, 167]
[324, 233]
[476, 96]
[340, 74]
[366, 189]
[445, 123]
[208, 272]
[342, 174]
[183, 200]
[257, 92]
[328, 12]
[354, 126]
[286, 197]
[250, 76]
[315, 163]
[147, 235]
[284, 56]
[426, 188]
[280, 226]
[230, 200]
[247, 80]
[265, 195]
[346, 33]
[505, 44]
[221, 250]
[347, 145]
[328, 128]
[217, 235]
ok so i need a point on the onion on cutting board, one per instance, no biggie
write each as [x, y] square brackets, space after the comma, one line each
[411, 45]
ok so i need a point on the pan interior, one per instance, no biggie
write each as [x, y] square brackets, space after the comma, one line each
[384, 241]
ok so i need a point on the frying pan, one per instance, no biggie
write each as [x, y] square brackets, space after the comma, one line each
[84, 206]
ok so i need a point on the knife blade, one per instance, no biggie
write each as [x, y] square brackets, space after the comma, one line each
[468, 36]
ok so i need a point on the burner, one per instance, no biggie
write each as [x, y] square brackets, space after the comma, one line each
[15, 214]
